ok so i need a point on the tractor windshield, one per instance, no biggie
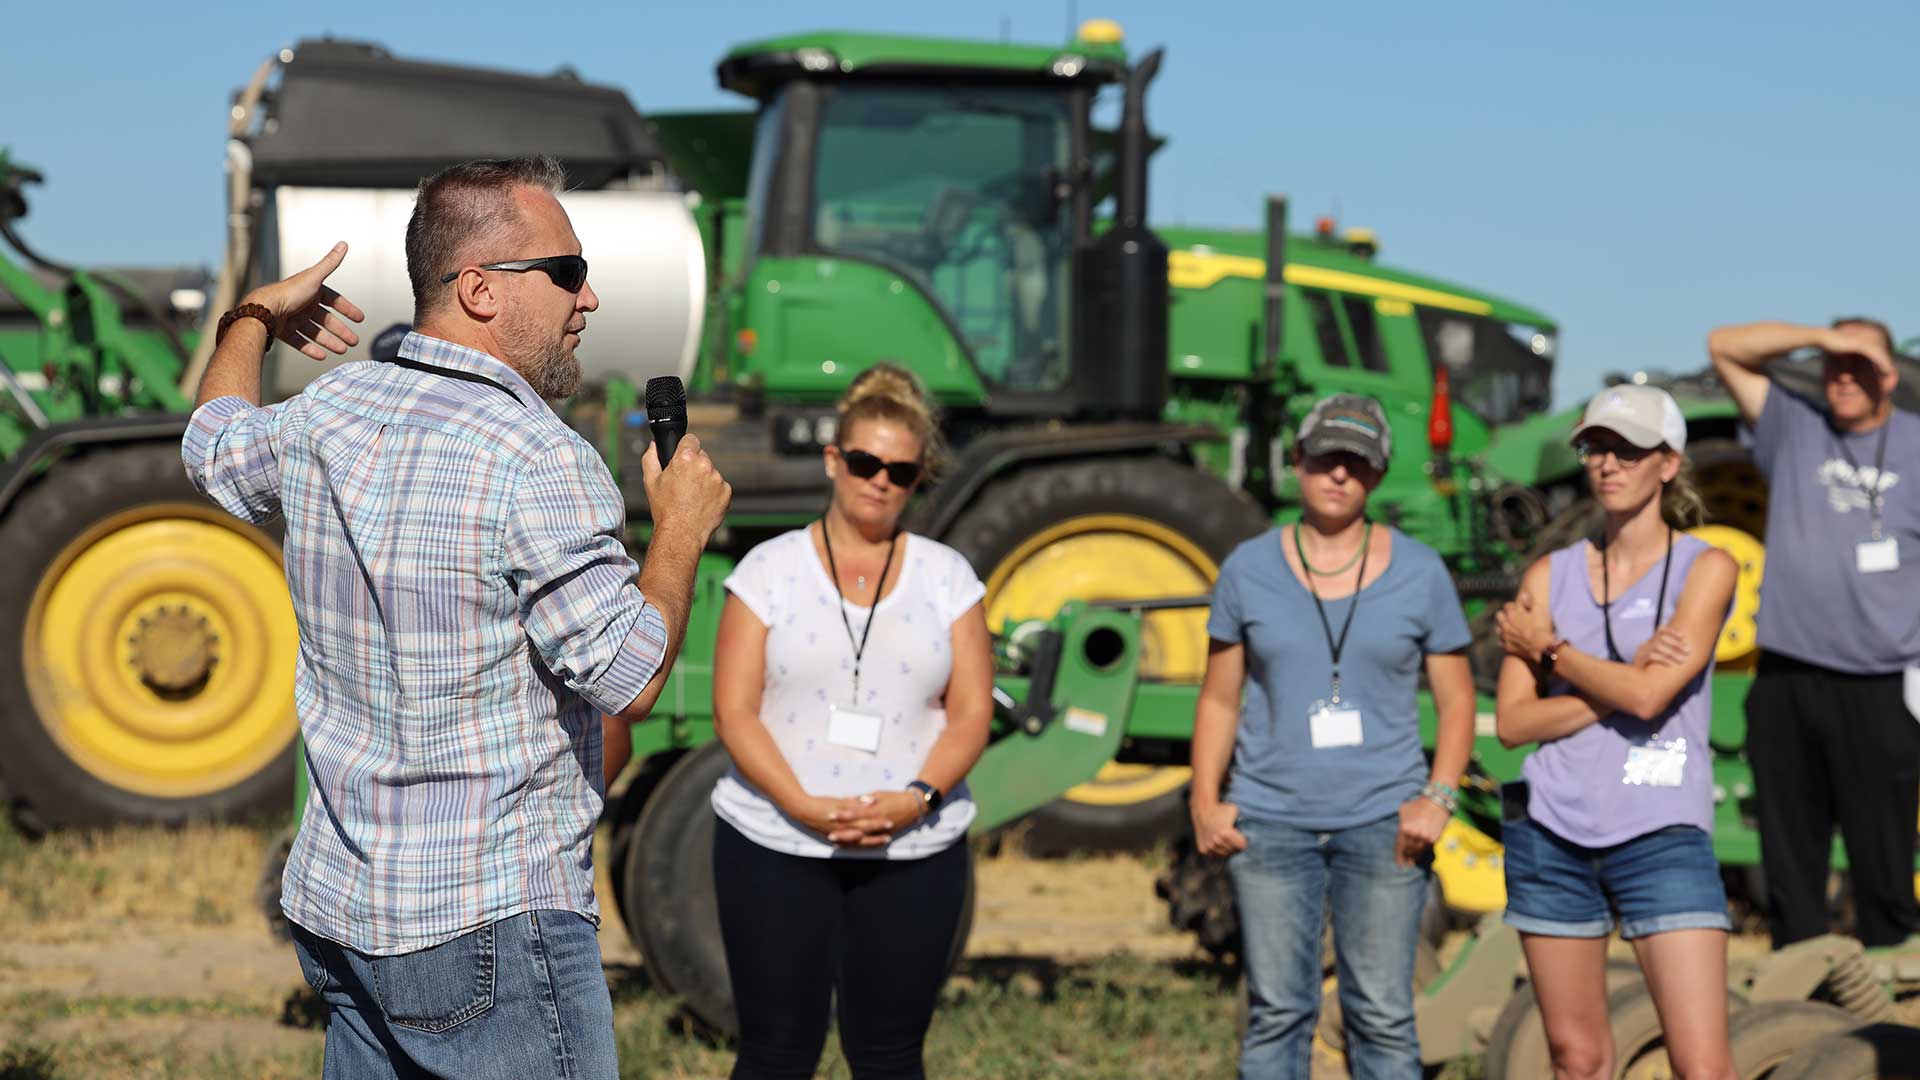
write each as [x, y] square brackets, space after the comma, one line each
[1502, 371]
[952, 187]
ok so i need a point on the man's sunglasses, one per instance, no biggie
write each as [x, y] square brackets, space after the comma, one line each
[567, 271]
[866, 466]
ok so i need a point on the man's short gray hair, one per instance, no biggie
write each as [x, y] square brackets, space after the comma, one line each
[468, 209]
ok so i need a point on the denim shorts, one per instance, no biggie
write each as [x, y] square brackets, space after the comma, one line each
[1664, 880]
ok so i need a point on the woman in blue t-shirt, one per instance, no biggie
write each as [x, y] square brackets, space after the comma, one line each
[1326, 626]
[1609, 652]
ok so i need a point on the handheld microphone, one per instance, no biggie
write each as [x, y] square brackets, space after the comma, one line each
[666, 415]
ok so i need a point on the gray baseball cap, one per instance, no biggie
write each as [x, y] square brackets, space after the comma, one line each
[1348, 423]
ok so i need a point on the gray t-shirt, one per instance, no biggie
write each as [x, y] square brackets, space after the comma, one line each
[1278, 774]
[1815, 604]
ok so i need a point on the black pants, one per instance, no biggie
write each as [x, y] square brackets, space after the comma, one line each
[799, 930]
[1831, 747]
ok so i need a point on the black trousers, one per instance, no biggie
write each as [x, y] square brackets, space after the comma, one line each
[1828, 747]
[798, 931]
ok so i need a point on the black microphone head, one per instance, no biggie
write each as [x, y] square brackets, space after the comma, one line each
[666, 398]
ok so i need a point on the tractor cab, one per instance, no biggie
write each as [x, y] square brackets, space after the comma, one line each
[931, 203]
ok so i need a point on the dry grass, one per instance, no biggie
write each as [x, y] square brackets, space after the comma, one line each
[139, 953]
[85, 886]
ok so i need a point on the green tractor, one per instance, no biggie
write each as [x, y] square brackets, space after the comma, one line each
[1120, 400]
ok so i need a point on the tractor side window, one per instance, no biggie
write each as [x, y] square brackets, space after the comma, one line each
[1326, 328]
[1366, 337]
[1502, 371]
[952, 188]
[766, 159]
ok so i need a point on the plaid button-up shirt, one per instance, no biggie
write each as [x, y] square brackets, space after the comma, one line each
[465, 606]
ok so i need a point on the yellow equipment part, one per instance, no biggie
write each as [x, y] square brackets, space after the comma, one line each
[1471, 868]
[160, 649]
[1114, 557]
[1738, 646]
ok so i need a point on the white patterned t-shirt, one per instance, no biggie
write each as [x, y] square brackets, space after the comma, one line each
[809, 669]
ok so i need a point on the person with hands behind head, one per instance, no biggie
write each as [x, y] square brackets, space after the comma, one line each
[1308, 772]
[853, 683]
[1609, 655]
[1830, 716]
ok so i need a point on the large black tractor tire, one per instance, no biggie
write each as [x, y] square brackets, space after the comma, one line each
[1874, 1052]
[621, 816]
[670, 906]
[1731, 485]
[1104, 529]
[147, 648]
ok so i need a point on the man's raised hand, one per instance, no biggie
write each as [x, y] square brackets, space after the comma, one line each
[307, 314]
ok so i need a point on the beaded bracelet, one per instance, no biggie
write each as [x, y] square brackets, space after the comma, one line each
[1442, 795]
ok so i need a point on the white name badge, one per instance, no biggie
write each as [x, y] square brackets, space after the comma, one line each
[1656, 764]
[1877, 556]
[853, 730]
[1334, 725]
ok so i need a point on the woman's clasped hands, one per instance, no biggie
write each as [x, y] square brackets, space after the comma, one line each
[860, 821]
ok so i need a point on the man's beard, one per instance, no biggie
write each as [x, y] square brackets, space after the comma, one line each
[547, 365]
[555, 372]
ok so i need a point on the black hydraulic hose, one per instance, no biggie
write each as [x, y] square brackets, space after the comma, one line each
[120, 288]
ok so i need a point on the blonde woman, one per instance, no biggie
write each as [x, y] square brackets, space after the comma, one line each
[853, 682]
[1610, 652]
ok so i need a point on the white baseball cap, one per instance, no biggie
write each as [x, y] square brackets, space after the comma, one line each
[1645, 416]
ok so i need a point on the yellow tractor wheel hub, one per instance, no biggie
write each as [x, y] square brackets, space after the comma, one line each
[1115, 557]
[160, 650]
[1739, 646]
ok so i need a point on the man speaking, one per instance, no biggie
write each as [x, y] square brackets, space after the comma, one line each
[466, 611]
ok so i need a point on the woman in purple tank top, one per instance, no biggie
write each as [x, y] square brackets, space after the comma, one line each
[1609, 652]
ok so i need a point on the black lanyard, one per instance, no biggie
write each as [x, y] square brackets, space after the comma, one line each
[859, 647]
[1606, 594]
[1336, 647]
[1871, 489]
[454, 373]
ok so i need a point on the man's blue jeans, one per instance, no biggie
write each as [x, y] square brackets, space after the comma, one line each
[524, 997]
[1283, 881]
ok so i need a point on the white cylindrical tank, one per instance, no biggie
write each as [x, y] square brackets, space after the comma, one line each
[646, 262]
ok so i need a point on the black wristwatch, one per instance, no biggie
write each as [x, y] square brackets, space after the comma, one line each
[929, 794]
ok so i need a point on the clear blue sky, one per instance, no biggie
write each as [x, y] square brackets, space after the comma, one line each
[1639, 174]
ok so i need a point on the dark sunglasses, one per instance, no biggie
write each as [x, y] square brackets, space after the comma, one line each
[1623, 452]
[865, 466]
[567, 271]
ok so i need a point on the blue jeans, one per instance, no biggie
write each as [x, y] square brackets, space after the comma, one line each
[1282, 882]
[524, 997]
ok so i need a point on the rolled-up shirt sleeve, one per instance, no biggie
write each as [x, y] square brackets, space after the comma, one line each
[579, 602]
[232, 454]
